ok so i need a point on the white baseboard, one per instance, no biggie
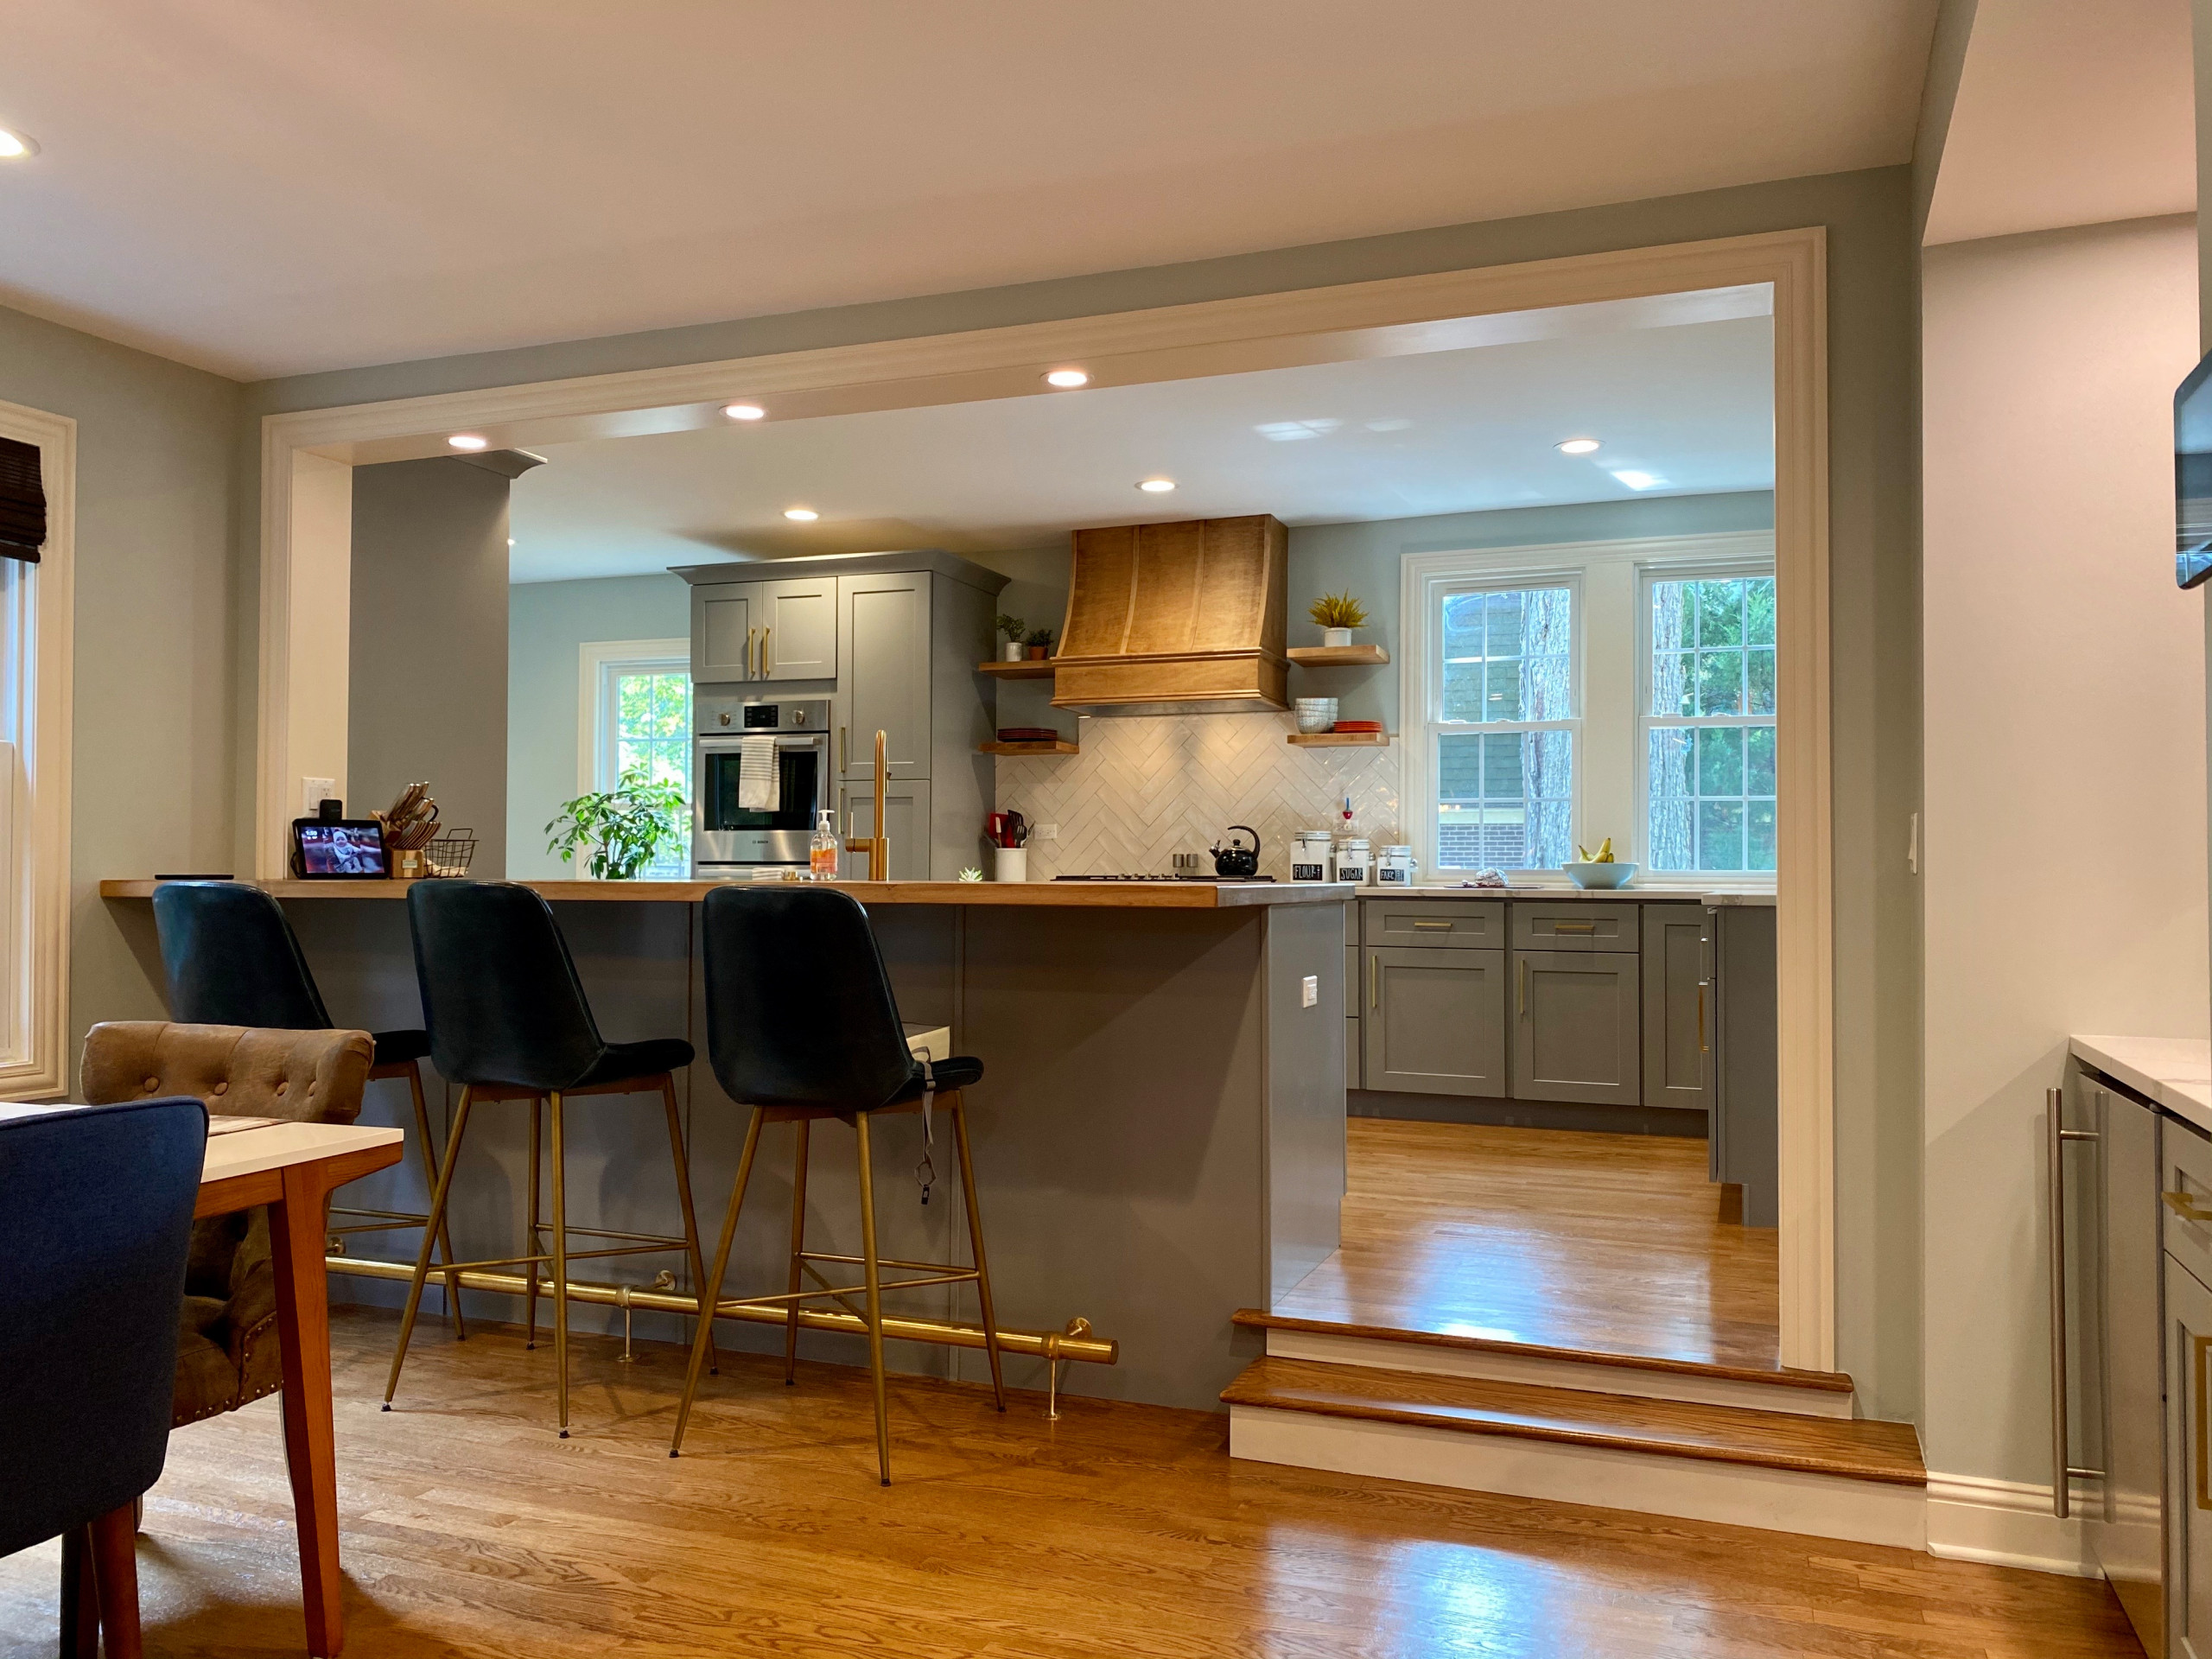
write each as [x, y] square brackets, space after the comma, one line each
[2004, 1523]
[1695, 1488]
[1641, 1382]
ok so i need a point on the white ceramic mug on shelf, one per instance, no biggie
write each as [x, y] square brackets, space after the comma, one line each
[1013, 651]
[1009, 863]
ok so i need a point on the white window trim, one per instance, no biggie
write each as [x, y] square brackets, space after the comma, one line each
[1608, 714]
[598, 663]
[37, 638]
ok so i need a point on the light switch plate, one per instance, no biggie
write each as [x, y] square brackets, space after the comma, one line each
[1309, 991]
[313, 791]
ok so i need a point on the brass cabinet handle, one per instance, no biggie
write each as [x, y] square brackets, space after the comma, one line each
[767, 656]
[841, 751]
[1374, 981]
[751, 639]
[1446, 926]
[1524, 988]
[2182, 1205]
[1574, 927]
[1703, 1048]
[2198, 1344]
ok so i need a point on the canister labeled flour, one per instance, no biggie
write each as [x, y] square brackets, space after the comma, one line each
[1309, 855]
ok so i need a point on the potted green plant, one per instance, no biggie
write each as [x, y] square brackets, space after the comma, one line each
[1338, 615]
[1040, 644]
[626, 827]
[1012, 627]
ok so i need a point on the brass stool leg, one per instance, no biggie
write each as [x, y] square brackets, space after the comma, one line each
[710, 1292]
[798, 1243]
[871, 1279]
[684, 1196]
[975, 1246]
[430, 1238]
[560, 1265]
[431, 1174]
[530, 1296]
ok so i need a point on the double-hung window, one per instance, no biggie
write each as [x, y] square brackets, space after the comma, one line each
[1709, 722]
[641, 722]
[1504, 726]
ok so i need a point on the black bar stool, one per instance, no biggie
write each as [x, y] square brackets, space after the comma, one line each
[509, 1022]
[801, 1025]
[232, 959]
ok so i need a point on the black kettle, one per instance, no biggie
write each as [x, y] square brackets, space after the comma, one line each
[1236, 863]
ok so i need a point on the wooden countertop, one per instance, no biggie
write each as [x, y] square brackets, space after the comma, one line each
[1063, 895]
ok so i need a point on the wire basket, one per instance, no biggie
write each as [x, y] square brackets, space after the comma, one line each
[449, 854]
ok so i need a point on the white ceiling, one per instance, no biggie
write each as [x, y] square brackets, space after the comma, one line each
[2069, 113]
[1689, 404]
[264, 186]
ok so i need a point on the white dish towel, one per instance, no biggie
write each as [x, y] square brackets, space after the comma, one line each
[758, 785]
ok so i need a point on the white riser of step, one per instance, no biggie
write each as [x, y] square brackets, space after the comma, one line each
[1692, 1489]
[1380, 1353]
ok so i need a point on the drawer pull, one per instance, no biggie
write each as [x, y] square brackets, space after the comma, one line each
[1444, 927]
[2182, 1205]
[1574, 927]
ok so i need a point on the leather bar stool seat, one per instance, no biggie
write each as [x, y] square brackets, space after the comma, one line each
[509, 1022]
[230, 958]
[801, 1026]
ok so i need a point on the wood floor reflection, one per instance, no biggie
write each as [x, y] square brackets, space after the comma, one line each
[1121, 1530]
[1606, 1243]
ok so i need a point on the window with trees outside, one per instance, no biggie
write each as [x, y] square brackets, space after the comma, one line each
[645, 711]
[1577, 694]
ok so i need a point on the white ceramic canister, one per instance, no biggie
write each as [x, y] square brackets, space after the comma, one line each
[1354, 860]
[1309, 855]
[1397, 868]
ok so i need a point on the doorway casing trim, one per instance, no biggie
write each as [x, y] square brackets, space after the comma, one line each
[306, 459]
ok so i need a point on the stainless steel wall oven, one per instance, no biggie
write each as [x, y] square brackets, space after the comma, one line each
[728, 840]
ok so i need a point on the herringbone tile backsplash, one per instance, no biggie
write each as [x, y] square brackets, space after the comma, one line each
[1146, 788]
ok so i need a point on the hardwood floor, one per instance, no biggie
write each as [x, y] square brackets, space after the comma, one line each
[1610, 1244]
[1121, 1530]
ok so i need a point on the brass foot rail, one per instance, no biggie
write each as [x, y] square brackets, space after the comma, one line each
[1075, 1343]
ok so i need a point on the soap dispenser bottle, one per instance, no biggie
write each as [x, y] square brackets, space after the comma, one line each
[822, 852]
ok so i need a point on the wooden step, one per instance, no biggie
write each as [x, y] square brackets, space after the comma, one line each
[1854, 1479]
[1811, 1394]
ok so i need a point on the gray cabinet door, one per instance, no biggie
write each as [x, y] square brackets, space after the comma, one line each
[1434, 1021]
[883, 641]
[1575, 1026]
[909, 823]
[799, 629]
[725, 631]
[1674, 1006]
[2189, 1506]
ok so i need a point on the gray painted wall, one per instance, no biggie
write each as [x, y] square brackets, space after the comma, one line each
[428, 677]
[547, 621]
[160, 727]
[1874, 546]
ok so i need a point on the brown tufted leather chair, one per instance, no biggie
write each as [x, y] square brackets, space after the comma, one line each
[228, 1353]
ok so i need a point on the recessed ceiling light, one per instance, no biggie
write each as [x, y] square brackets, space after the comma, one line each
[805, 515]
[511, 541]
[1578, 447]
[14, 146]
[744, 411]
[468, 440]
[1157, 486]
[1067, 377]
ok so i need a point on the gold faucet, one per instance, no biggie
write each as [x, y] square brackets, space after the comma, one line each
[878, 846]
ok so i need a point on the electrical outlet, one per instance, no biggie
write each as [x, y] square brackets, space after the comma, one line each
[1309, 991]
[313, 791]
[1048, 832]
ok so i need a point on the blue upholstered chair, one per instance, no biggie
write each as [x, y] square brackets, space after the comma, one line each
[95, 1224]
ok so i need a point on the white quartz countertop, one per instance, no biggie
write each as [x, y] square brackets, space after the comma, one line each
[2174, 1072]
[1617, 895]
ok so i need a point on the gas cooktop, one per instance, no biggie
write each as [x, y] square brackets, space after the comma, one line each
[1163, 878]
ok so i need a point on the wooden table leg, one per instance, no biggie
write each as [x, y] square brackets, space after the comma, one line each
[295, 1233]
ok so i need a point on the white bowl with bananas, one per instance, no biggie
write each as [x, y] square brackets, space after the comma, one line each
[1599, 869]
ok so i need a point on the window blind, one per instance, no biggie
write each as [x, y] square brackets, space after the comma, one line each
[23, 501]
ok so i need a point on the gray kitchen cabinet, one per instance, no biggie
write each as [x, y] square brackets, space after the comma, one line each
[1435, 924]
[1433, 1020]
[1575, 1026]
[1744, 1147]
[908, 820]
[799, 629]
[2188, 1505]
[1674, 1026]
[725, 631]
[883, 627]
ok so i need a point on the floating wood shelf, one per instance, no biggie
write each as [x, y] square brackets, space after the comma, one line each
[1024, 669]
[1339, 656]
[1340, 740]
[1060, 748]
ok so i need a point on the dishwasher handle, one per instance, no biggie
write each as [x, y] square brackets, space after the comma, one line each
[2057, 1138]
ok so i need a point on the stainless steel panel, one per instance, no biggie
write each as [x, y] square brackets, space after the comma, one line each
[1574, 925]
[1431, 923]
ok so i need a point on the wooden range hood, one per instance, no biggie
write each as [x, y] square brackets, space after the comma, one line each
[1176, 619]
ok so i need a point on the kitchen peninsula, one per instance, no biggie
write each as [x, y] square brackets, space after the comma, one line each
[1159, 1132]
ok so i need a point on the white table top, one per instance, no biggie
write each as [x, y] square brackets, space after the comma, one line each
[2174, 1072]
[249, 1152]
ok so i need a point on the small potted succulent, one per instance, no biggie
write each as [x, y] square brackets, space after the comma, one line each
[1012, 627]
[1338, 615]
[1040, 644]
[626, 827]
